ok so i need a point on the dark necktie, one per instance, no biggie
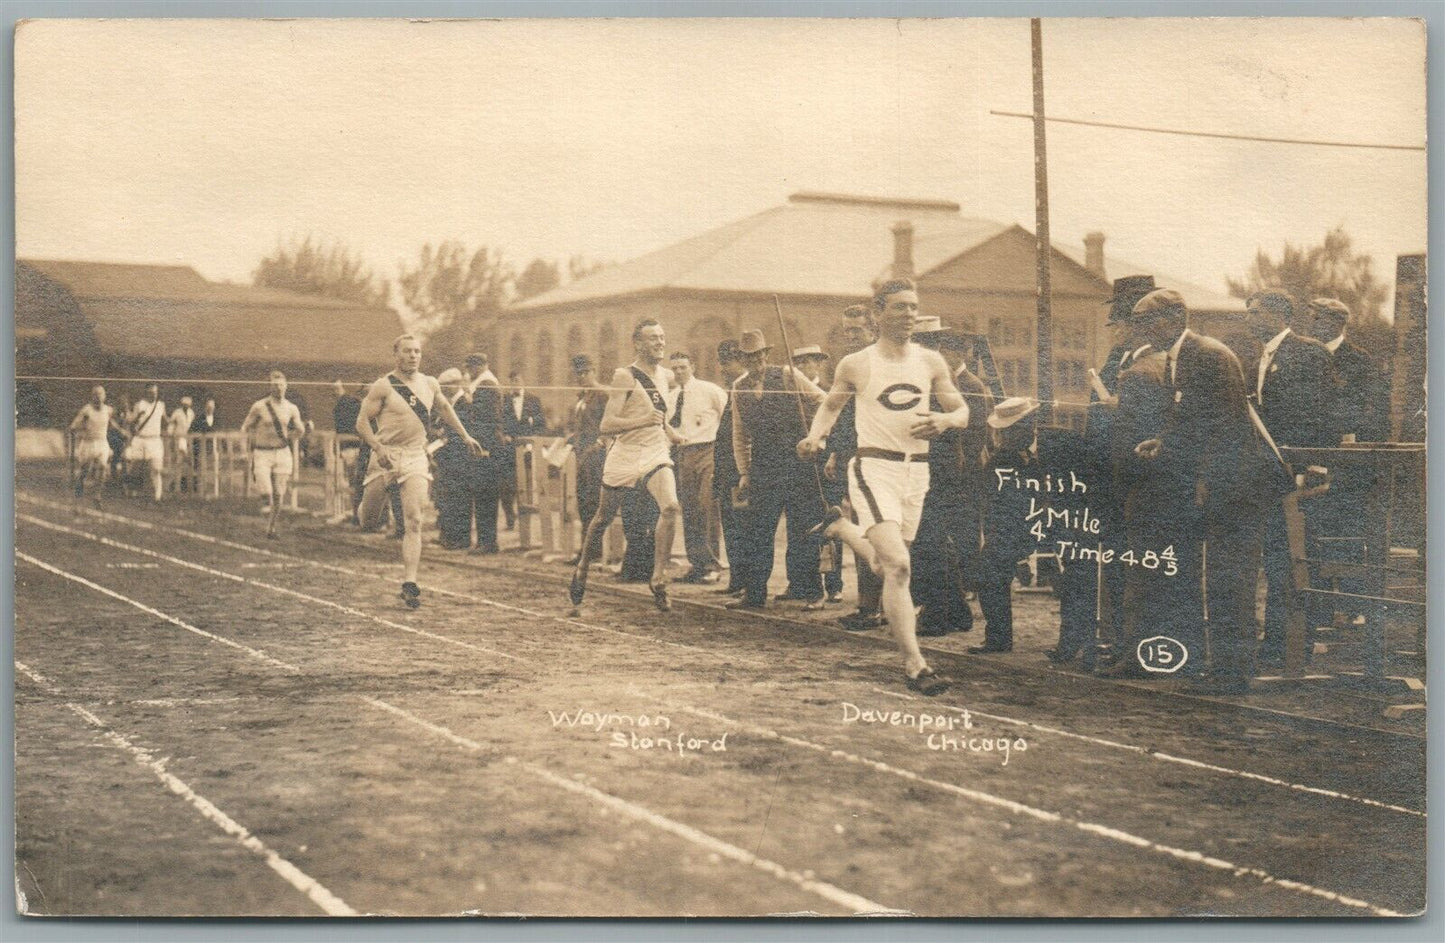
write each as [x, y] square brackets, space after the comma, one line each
[676, 421]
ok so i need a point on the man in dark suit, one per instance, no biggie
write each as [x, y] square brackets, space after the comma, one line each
[584, 432]
[1211, 446]
[1362, 397]
[1362, 414]
[521, 416]
[1293, 388]
[1006, 537]
[205, 423]
[1107, 500]
[725, 470]
[945, 550]
[778, 483]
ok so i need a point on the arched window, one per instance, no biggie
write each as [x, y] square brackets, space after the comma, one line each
[517, 355]
[576, 343]
[702, 343]
[606, 351]
[543, 372]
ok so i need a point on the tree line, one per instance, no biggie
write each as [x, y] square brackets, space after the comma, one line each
[454, 294]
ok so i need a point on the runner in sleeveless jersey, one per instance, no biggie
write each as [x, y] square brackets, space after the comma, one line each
[92, 447]
[270, 427]
[641, 457]
[402, 405]
[147, 421]
[892, 380]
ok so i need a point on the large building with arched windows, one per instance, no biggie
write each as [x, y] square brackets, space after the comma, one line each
[819, 253]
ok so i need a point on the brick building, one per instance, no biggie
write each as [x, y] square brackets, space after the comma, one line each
[168, 323]
[818, 253]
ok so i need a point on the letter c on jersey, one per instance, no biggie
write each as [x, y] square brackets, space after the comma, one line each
[911, 396]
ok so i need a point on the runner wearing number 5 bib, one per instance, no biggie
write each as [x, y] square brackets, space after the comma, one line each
[394, 422]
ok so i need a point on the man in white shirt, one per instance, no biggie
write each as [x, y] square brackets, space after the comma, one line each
[178, 432]
[147, 422]
[695, 410]
[270, 427]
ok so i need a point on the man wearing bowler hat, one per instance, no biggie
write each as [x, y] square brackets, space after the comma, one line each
[1108, 499]
[777, 482]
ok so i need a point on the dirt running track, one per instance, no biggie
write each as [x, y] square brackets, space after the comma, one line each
[211, 723]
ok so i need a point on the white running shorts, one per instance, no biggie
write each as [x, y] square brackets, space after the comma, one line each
[147, 448]
[266, 462]
[883, 490]
[410, 463]
[92, 450]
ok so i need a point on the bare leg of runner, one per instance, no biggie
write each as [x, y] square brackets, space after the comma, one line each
[373, 504]
[663, 488]
[279, 484]
[413, 498]
[851, 534]
[610, 504]
[891, 552]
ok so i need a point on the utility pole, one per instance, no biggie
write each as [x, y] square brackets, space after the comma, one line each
[1042, 245]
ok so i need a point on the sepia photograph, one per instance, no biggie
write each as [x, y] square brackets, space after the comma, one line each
[967, 468]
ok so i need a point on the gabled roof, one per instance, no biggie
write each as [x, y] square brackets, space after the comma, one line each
[820, 244]
[172, 311]
[815, 244]
[1196, 297]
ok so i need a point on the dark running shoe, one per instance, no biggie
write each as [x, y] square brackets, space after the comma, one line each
[831, 515]
[411, 595]
[928, 683]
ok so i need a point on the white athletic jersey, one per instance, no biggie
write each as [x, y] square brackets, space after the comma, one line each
[649, 438]
[892, 399]
[258, 421]
[397, 424]
[92, 421]
[152, 425]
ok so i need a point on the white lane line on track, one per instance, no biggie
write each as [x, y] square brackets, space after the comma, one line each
[285, 590]
[313, 889]
[1132, 748]
[1021, 808]
[1043, 815]
[829, 892]
[346, 571]
[1160, 755]
[702, 839]
[253, 652]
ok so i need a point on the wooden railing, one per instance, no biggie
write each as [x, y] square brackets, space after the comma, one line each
[1377, 549]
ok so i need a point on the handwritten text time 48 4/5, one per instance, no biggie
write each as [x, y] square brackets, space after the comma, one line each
[1069, 551]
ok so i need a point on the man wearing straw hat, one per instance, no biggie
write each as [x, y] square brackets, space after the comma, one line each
[891, 382]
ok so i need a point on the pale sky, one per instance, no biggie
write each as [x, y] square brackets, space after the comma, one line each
[201, 142]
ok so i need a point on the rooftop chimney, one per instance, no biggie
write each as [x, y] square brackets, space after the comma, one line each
[902, 250]
[1094, 254]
